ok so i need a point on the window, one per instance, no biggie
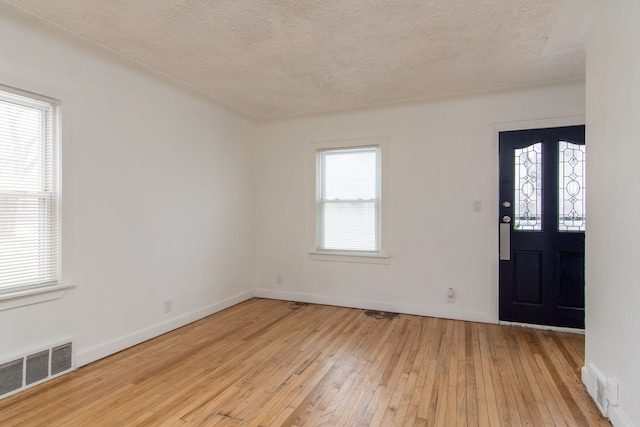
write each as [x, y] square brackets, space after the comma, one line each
[29, 196]
[348, 198]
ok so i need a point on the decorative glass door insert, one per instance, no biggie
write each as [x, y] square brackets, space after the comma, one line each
[571, 202]
[528, 188]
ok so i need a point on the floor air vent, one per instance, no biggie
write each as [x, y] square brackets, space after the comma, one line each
[60, 359]
[601, 394]
[11, 376]
[35, 368]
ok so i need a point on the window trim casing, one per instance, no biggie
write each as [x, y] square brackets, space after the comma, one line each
[378, 257]
[18, 296]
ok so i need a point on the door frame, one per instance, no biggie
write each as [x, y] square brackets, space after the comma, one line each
[492, 209]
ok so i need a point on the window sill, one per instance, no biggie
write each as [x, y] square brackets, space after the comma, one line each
[347, 257]
[20, 298]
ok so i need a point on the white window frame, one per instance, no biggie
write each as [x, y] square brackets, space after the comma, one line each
[381, 256]
[20, 295]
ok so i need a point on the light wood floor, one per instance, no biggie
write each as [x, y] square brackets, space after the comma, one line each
[272, 363]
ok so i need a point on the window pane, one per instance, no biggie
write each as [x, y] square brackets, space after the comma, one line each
[28, 192]
[350, 174]
[571, 174]
[528, 188]
[349, 226]
[28, 246]
[20, 136]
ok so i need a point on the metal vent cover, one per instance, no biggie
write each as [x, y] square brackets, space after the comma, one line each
[61, 358]
[11, 376]
[27, 370]
[37, 367]
[601, 393]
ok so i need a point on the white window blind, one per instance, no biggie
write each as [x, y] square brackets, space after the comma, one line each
[348, 199]
[28, 192]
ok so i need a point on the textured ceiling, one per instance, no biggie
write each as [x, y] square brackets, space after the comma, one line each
[273, 58]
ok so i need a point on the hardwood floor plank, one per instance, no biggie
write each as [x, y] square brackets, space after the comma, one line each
[532, 374]
[470, 386]
[427, 407]
[488, 361]
[395, 409]
[420, 368]
[453, 416]
[521, 382]
[571, 361]
[482, 407]
[440, 390]
[391, 377]
[463, 393]
[276, 363]
[296, 417]
[505, 403]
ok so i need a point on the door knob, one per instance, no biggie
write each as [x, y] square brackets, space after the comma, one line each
[506, 219]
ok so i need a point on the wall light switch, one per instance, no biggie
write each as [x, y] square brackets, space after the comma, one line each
[477, 205]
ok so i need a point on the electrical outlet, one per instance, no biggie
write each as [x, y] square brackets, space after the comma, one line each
[168, 305]
[451, 295]
[279, 279]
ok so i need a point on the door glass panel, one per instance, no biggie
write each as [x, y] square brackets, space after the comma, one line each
[528, 188]
[571, 163]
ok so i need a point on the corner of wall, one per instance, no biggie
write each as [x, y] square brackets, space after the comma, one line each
[604, 392]
[117, 344]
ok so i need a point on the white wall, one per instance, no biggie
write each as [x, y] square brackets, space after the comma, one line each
[158, 196]
[442, 156]
[613, 236]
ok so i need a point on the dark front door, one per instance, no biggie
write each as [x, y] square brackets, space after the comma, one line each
[542, 226]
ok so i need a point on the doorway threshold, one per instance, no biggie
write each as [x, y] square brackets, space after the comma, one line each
[544, 327]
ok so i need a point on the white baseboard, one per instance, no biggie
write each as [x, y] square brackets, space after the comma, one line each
[376, 305]
[590, 377]
[115, 345]
[618, 418]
